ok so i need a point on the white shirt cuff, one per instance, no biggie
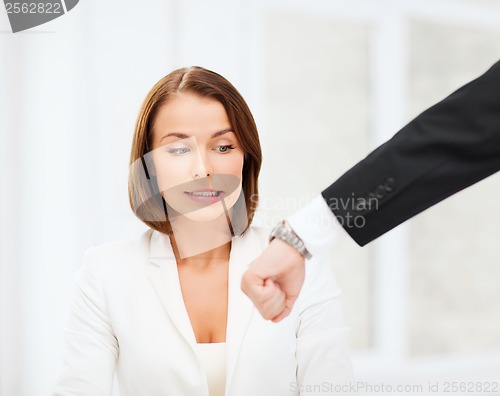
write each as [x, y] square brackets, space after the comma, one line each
[316, 225]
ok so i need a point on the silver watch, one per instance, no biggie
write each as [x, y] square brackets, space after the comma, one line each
[284, 232]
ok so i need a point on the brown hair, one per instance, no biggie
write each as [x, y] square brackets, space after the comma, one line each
[151, 208]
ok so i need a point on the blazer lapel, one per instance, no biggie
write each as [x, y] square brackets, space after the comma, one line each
[163, 274]
[240, 308]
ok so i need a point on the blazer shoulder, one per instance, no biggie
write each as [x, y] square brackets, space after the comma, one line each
[108, 255]
[258, 231]
[320, 283]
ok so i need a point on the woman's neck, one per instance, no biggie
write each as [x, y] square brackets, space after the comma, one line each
[206, 260]
[201, 244]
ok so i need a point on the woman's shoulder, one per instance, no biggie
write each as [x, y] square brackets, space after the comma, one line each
[320, 283]
[110, 254]
[257, 231]
[122, 247]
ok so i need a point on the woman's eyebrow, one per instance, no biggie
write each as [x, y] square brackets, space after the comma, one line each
[184, 136]
[221, 132]
[176, 134]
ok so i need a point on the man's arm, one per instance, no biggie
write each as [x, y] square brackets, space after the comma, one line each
[448, 147]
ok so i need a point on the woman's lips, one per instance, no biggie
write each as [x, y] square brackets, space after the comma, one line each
[205, 196]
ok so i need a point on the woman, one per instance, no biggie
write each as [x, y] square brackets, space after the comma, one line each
[164, 311]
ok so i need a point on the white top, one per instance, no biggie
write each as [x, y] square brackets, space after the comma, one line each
[213, 359]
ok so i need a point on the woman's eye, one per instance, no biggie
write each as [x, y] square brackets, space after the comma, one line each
[224, 149]
[178, 150]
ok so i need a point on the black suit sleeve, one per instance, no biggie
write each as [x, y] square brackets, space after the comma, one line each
[445, 149]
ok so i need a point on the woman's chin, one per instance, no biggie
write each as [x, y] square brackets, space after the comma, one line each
[206, 214]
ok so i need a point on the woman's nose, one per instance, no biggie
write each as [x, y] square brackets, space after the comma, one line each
[201, 167]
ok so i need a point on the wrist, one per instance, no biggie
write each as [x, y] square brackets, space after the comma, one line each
[284, 232]
[317, 226]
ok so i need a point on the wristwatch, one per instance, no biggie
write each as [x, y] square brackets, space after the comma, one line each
[284, 232]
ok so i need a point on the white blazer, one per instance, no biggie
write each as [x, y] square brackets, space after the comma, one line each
[128, 319]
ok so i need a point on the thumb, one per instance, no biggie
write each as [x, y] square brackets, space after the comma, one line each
[270, 286]
[252, 283]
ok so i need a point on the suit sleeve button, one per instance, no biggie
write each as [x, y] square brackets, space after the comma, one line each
[380, 191]
[389, 184]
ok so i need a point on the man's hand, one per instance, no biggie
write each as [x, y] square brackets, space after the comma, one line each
[274, 280]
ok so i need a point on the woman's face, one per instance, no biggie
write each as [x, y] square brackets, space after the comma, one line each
[197, 157]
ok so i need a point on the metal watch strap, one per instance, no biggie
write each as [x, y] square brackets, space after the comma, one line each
[284, 232]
